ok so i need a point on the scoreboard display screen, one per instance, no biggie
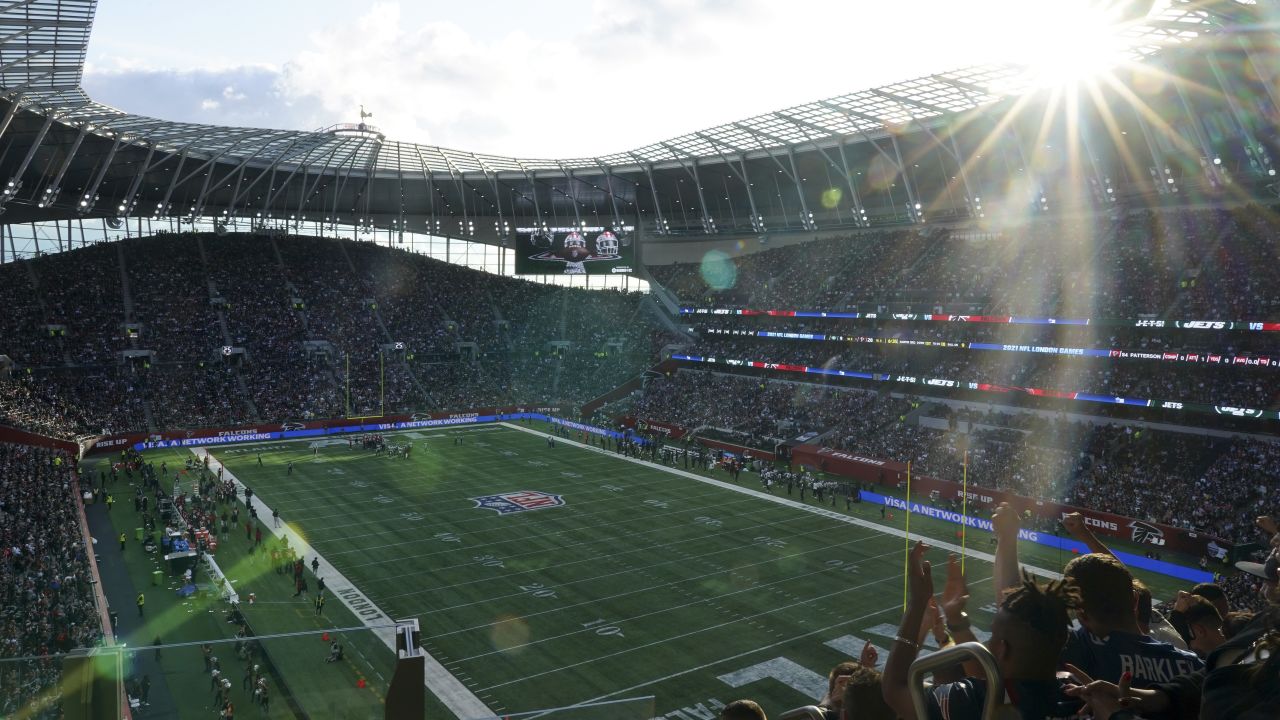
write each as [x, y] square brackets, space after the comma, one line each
[575, 251]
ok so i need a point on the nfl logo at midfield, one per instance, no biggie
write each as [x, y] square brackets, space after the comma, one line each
[519, 501]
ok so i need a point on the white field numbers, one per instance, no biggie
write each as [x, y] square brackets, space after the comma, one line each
[538, 590]
[601, 627]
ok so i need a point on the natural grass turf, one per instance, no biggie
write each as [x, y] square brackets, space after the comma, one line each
[318, 689]
[643, 583]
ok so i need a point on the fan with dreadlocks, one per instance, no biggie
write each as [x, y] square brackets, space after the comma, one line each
[1027, 635]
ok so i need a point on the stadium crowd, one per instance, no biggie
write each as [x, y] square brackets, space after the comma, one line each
[1121, 266]
[318, 320]
[1175, 479]
[46, 592]
[1092, 644]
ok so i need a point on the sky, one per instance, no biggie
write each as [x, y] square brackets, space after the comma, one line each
[542, 78]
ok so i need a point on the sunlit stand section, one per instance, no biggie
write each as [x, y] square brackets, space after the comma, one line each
[406, 694]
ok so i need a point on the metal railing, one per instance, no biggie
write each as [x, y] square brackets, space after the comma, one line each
[994, 706]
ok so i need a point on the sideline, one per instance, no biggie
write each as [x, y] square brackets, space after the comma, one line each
[461, 701]
[831, 514]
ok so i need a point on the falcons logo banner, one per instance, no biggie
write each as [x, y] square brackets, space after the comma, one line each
[516, 502]
[1146, 533]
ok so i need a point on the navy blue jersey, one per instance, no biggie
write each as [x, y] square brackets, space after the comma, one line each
[1151, 661]
[963, 700]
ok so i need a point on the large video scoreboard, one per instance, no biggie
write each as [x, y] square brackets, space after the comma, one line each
[575, 250]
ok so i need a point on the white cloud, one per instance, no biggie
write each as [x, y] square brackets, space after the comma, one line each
[622, 75]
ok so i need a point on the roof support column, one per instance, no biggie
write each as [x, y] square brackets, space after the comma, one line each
[914, 207]
[613, 199]
[1106, 193]
[1263, 70]
[860, 210]
[1040, 200]
[708, 222]
[126, 203]
[1207, 154]
[663, 227]
[54, 188]
[806, 215]
[1161, 175]
[757, 220]
[1253, 149]
[91, 193]
[578, 224]
[14, 104]
[163, 207]
[15, 182]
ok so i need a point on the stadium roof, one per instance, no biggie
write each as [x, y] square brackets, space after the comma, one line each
[951, 145]
[42, 52]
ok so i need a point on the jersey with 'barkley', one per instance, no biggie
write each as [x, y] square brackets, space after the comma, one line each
[1151, 661]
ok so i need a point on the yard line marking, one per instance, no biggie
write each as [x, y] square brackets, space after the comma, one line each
[691, 633]
[455, 696]
[712, 599]
[496, 542]
[892, 532]
[733, 569]
[740, 655]
[649, 548]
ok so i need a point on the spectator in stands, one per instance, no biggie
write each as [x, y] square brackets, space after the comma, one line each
[47, 603]
[863, 699]
[1109, 642]
[743, 710]
[1202, 623]
[1028, 632]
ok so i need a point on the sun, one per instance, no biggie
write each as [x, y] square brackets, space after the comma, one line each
[1065, 43]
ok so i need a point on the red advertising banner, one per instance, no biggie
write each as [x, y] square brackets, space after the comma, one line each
[667, 430]
[983, 500]
[23, 437]
[675, 432]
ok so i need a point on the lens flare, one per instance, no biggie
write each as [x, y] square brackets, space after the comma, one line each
[718, 270]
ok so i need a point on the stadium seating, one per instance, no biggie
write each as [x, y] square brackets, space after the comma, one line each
[474, 338]
[1105, 467]
[1134, 263]
[46, 589]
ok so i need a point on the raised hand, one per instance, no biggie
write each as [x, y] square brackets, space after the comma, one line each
[919, 575]
[1006, 522]
[869, 656]
[955, 594]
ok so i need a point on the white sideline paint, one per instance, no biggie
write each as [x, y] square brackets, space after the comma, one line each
[830, 514]
[788, 672]
[455, 696]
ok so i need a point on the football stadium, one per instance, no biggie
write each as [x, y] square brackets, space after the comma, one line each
[951, 389]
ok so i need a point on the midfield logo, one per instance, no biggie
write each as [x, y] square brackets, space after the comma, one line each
[519, 501]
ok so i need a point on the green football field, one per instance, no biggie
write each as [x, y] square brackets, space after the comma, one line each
[644, 582]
